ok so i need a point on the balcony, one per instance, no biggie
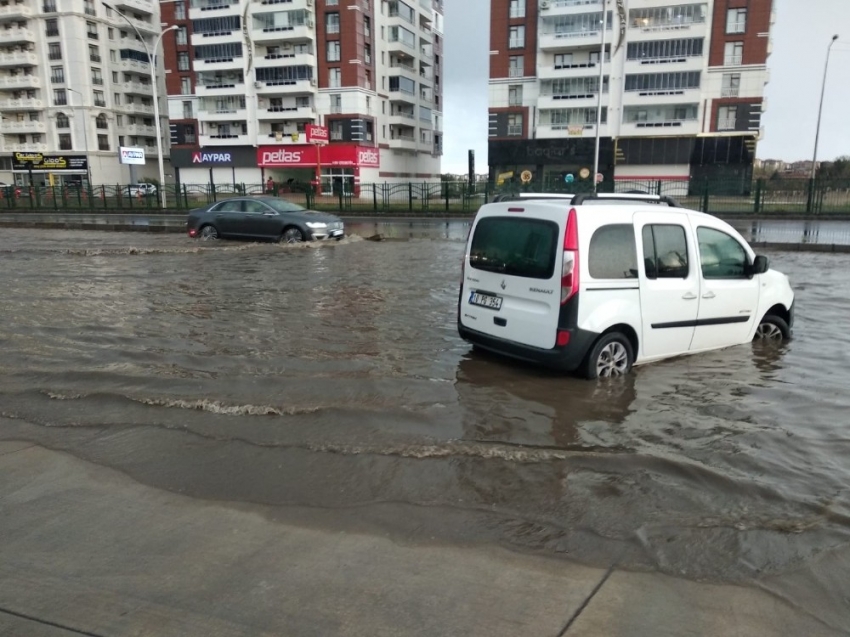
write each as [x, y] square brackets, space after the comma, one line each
[26, 148]
[144, 26]
[220, 64]
[19, 81]
[286, 113]
[225, 88]
[727, 124]
[567, 7]
[403, 143]
[137, 88]
[566, 40]
[223, 139]
[282, 34]
[517, 13]
[403, 48]
[24, 104]
[730, 91]
[134, 66]
[680, 63]
[16, 36]
[137, 108]
[213, 9]
[661, 127]
[287, 87]
[139, 130]
[288, 59]
[403, 97]
[407, 120]
[733, 60]
[19, 128]
[220, 114]
[137, 6]
[18, 58]
[15, 12]
[551, 72]
[398, 68]
[558, 131]
[659, 97]
[641, 32]
[218, 37]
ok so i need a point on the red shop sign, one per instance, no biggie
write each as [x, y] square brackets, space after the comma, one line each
[304, 155]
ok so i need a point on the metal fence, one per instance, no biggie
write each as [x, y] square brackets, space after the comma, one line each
[762, 197]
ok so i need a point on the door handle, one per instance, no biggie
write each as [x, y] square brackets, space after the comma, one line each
[690, 296]
[708, 295]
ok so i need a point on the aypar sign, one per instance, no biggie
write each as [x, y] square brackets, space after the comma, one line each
[48, 163]
[221, 157]
[304, 156]
[133, 156]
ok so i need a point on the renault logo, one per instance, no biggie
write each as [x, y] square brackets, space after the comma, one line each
[504, 285]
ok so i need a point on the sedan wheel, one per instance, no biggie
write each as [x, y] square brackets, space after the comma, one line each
[292, 235]
[209, 233]
[611, 356]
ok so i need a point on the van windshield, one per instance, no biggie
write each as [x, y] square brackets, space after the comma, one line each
[518, 247]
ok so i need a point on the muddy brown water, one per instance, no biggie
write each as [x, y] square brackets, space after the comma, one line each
[327, 385]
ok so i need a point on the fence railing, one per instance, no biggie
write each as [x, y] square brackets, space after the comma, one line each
[718, 196]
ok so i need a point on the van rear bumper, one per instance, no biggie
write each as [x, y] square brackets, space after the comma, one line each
[567, 358]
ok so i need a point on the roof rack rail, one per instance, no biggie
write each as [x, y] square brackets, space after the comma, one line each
[525, 196]
[658, 199]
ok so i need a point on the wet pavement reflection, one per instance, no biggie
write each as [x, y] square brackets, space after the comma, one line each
[329, 384]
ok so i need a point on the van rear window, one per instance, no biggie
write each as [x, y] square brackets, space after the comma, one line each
[514, 246]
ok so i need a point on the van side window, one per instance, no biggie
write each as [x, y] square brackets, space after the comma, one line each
[665, 252]
[613, 254]
[721, 256]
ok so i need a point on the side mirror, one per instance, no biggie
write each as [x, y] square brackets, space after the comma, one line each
[760, 265]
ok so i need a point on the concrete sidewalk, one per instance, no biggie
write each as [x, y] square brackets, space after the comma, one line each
[86, 550]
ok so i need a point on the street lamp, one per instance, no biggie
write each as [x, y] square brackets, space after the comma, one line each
[85, 134]
[820, 108]
[599, 95]
[152, 64]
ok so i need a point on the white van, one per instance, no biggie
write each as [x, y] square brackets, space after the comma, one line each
[597, 286]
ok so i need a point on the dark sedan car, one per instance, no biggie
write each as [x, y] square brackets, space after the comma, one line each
[254, 218]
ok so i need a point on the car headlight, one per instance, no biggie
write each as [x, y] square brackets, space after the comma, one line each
[316, 224]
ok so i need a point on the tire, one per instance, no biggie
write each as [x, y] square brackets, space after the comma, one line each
[611, 355]
[291, 234]
[772, 329]
[208, 233]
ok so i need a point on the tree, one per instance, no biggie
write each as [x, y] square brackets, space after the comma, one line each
[838, 169]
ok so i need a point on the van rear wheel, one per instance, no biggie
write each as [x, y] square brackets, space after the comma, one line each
[612, 355]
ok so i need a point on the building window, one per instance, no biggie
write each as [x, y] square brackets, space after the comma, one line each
[367, 26]
[57, 75]
[515, 95]
[185, 85]
[333, 51]
[183, 61]
[727, 117]
[65, 141]
[665, 49]
[62, 121]
[99, 99]
[116, 99]
[336, 103]
[181, 36]
[665, 83]
[731, 85]
[736, 21]
[60, 98]
[119, 121]
[367, 54]
[110, 32]
[331, 23]
[657, 18]
[103, 142]
[89, 8]
[96, 77]
[94, 54]
[516, 37]
[179, 10]
[113, 56]
[337, 132]
[51, 27]
[733, 54]
[100, 122]
[49, 6]
[517, 9]
[335, 76]
[516, 66]
[91, 30]
[515, 124]
[54, 51]
[115, 77]
[187, 110]
[331, 3]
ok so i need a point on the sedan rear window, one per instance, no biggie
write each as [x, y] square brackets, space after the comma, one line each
[517, 247]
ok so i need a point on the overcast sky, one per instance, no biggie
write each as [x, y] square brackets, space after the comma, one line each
[800, 37]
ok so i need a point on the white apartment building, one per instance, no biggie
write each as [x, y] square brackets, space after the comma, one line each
[74, 87]
[682, 87]
[245, 79]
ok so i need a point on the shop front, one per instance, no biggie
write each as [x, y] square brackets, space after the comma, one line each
[340, 167]
[567, 163]
[40, 169]
[219, 166]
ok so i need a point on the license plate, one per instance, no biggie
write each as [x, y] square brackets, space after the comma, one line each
[336, 233]
[485, 300]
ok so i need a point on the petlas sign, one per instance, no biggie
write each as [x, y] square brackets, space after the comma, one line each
[302, 156]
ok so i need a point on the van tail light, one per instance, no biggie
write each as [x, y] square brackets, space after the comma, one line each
[569, 270]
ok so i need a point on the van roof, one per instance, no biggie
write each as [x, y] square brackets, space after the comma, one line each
[595, 209]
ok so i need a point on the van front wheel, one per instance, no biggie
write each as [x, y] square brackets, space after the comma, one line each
[612, 355]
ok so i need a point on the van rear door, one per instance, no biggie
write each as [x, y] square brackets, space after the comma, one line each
[512, 274]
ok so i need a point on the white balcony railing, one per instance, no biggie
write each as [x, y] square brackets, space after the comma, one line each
[726, 124]
[516, 43]
[733, 60]
[737, 27]
[517, 12]
[730, 91]
[515, 130]
[515, 72]
[560, 4]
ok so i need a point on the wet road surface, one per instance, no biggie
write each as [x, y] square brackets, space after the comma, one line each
[329, 383]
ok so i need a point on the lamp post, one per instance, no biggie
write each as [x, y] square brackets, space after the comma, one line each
[820, 109]
[85, 134]
[154, 84]
[599, 95]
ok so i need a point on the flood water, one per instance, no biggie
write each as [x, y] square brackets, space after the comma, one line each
[327, 385]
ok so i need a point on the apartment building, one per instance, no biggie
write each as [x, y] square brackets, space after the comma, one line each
[682, 86]
[75, 85]
[245, 79]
